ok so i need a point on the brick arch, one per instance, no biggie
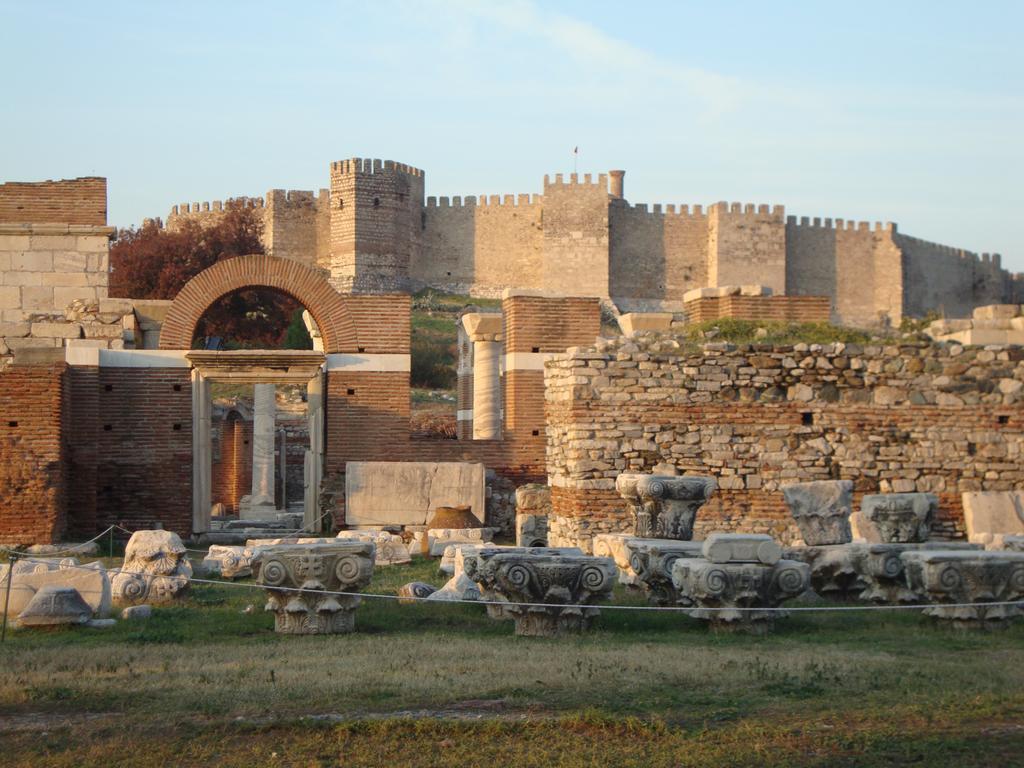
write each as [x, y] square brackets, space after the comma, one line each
[306, 285]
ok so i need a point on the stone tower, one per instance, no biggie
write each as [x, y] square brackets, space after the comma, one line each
[376, 224]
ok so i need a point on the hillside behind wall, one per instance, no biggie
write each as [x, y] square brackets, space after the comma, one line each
[913, 417]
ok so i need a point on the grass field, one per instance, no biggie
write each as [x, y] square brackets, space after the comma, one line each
[205, 683]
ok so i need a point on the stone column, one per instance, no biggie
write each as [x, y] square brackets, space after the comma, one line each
[263, 433]
[485, 331]
[283, 463]
[313, 465]
[202, 453]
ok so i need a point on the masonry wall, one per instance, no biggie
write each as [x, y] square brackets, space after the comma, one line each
[747, 246]
[891, 419]
[33, 453]
[575, 237]
[480, 247]
[68, 201]
[657, 254]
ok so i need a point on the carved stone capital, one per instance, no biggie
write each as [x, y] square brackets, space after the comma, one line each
[821, 510]
[901, 518]
[296, 576]
[664, 506]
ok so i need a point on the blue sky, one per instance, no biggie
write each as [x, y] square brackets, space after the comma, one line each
[902, 111]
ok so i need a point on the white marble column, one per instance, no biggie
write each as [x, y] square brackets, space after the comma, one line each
[263, 434]
[485, 331]
[313, 467]
[202, 453]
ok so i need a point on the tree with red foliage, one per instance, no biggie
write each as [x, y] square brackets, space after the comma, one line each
[155, 263]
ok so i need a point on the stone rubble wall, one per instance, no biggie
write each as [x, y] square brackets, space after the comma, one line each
[911, 416]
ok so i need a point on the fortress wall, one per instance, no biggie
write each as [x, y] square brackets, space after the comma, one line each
[657, 254]
[949, 280]
[856, 264]
[68, 201]
[575, 237]
[747, 245]
[293, 224]
[210, 212]
[481, 246]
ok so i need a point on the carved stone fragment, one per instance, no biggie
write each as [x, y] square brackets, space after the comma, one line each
[156, 569]
[901, 518]
[741, 548]
[299, 577]
[568, 583]
[54, 606]
[835, 573]
[664, 506]
[821, 510]
[651, 561]
[952, 578]
[228, 562]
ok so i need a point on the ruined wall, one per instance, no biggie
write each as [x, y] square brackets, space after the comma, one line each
[939, 419]
[53, 251]
[480, 248]
[747, 246]
[231, 466]
[575, 239]
[33, 453]
[656, 254]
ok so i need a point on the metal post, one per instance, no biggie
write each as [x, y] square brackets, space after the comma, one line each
[7, 597]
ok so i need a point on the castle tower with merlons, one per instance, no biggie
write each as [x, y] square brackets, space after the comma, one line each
[374, 231]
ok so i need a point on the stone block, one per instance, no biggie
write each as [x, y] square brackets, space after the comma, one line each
[135, 612]
[407, 493]
[631, 322]
[32, 342]
[32, 261]
[990, 514]
[996, 311]
[13, 329]
[742, 548]
[755, 290]
[31, 575]
[10, 297]
[64, 296]
[70, 261]
[821, 510]
[55, 606]
[57, 330]
[36, 297]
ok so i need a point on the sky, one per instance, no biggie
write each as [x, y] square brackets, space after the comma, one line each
[905, 111]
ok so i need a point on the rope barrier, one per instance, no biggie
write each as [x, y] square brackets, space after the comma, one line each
[602, 606]
[73, 548]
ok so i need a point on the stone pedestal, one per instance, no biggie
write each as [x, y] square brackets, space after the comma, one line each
[881, 568]
[337, 566]
[961, 576]
[664, 506]
[821, 510]
[576, 581]
[737, 580]
[533, 505]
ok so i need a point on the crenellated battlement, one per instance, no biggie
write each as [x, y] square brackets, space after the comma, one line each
[841, 224]
[588, 180]
[667, 209]
[749, 210]
[989, 260]
[215, 206]
[365, 165]
[472, 201]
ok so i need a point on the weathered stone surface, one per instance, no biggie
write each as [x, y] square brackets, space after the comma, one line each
[957, 577]
[408, 492]
[313, 570]
[835, 573]
[133, 612]
[631, 322]
[664, 506]
[55, 606]
[415, 589]
[438, 539]
[737, 596]
[156, 569]
[651, 561]
[613, 545]
[33, 574]
[569, 583]
[901, 517]
[993, 515]
[391, 548]
[881, 569]
[228, 562]
[821, 510]
[741, 548]
[533, 506]
[459, 587]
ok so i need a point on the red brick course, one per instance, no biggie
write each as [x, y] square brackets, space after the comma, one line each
[70, 201]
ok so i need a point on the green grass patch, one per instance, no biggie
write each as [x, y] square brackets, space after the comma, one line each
[773, 332]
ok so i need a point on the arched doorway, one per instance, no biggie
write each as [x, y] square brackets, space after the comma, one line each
[257, 367]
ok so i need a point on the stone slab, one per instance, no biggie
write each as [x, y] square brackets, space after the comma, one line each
[991, 514]
[90, 581]
[742, 548]
[408, 492]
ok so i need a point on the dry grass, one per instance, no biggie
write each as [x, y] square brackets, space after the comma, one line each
[834, 685]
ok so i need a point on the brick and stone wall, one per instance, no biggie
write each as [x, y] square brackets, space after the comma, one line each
[34, 401]
[794, 309]
[908, 417]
